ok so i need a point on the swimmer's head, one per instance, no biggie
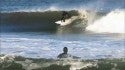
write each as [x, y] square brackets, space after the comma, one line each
[65, 50]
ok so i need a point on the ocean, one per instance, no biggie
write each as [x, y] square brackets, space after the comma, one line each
[31, 38]
[96, 29]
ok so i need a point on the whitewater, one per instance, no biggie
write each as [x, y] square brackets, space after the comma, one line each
[113, 22]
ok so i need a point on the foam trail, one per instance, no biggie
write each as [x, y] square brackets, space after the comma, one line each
[111, 23]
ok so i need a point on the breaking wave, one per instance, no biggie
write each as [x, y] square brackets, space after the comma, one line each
[42, 21]
[80, 21]
[113, 22]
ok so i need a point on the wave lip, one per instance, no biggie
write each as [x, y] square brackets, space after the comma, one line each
[113, 22]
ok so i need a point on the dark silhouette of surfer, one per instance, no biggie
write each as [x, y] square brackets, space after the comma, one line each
[64, 16]
[65, 54]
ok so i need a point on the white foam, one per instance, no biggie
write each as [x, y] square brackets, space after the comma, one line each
[111, 23]
[49, 47]
[46, 49]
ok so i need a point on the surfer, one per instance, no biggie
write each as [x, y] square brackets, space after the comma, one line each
[65, 54]
[64, 16]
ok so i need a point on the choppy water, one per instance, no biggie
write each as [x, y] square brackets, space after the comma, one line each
[44, 45]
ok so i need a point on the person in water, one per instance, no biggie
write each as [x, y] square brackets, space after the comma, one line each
[64, 16]
[65, 54]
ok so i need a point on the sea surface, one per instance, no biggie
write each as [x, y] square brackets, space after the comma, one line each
[49, 45]
[28, 28]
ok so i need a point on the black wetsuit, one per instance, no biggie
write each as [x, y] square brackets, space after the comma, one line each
[64, 16]
[64, 55]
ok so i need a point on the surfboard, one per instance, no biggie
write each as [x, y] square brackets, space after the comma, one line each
[61, 23]
[67, 21]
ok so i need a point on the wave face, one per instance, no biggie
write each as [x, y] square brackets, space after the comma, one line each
[45, 21]
[31, 21]
[113, 22]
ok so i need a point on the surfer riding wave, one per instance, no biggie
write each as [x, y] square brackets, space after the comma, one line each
[64, 16]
